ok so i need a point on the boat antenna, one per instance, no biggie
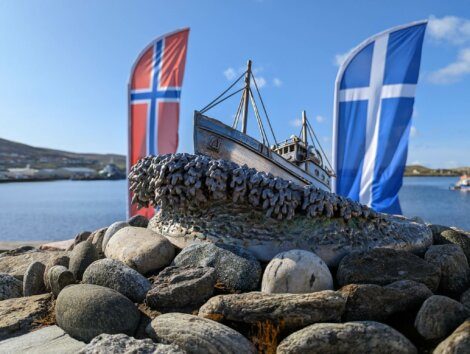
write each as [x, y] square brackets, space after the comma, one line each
[246, 96]
[314, 138]
[304, 128]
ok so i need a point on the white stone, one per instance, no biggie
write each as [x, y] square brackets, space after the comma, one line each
[297, 272]
[141, 249]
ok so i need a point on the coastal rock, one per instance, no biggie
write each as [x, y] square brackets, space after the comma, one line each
[455, 272]
[33, 280]
[351, 337]
[377, 303]
[121, 343]
[17, 264]
[110, 231]
[457, 237]
[385, 266]
[57, 245]
[439, 316]
[236, 269]
[60, 260]
[465, 300]
[178, 288]
[141, 249]
[10, 287]
[48, 340]
[296, 271]
[58, 278]
[23, 314]
[197, 335]
[292, 311]
[138, 221]
[79, 238]
[202, 199]
[85, 311]
[116, 275]
[97, 240]
[81, 257]
[458, 342]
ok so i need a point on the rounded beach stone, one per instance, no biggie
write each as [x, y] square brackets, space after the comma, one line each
[196, 335]
[138, 221]
[465, 300]
[350, 337]
[85, 311]
[455, 272]
[296, 271]
[81, 257]
[59, 277]
[439, 316]
[177, 288]
[79, 238]
[61, 260]
[141, 249]
[110, 231]
[457, 237]
[116, 275]
[458, 342]
[235, 267]
[33, 279]
[10, 287]
[121, 343]
[383, 266]
[96, 239]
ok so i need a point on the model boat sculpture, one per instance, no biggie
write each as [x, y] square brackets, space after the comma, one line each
[293, 159]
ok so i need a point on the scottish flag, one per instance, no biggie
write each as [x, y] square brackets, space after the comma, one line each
[374, 97]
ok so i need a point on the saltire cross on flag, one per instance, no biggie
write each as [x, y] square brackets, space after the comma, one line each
[154, 95]
[374, 97]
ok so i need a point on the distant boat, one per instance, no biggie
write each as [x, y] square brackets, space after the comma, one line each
[294, 159]
[462, 184]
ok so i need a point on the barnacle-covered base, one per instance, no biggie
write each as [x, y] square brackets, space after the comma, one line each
[201, 199]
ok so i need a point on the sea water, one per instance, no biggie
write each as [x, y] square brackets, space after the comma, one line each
[58, 210]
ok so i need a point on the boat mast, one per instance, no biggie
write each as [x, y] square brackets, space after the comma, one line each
[304, 128]
[246, 97]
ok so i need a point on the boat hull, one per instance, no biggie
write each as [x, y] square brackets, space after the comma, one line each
[219, 141]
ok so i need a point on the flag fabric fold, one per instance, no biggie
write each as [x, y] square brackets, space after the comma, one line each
[154, 95]
[374, 97]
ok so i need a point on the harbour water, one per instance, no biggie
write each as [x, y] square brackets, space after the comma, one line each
[58, 210]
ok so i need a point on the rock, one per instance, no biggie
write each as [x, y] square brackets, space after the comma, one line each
[377, 303]
[10, 287]
[85, 311]
[197, 335]
[455, 273]
[79, 238]
[458, 342]
[58, 278]
[236, 268]
[47, 340]
[121, 343]
[23, 314]
[110, 231]
[33, 280]
[465, 300]
[81, 257]
[457, 237]
[384, 266]
[60, 260]
[439, 316]
[351, 338]
[292, 311]
[178, 288]
[17, 264]
[97, 240]
[141, 249]
[296, 271]
[138, 221]
[57, 245]
[116, 275]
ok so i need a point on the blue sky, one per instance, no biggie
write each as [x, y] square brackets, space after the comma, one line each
[64, 66]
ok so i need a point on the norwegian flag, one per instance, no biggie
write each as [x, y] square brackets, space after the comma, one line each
[154, 95]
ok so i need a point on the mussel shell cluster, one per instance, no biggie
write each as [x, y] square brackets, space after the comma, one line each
[187, 181]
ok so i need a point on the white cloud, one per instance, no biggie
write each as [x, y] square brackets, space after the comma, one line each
[277, 82]
[325, 139]
[320, 119]
[455, 30]
[260, 81]
[413, 131]
[297, 122]
[230, 74]
[453, 72]
[340, 58]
